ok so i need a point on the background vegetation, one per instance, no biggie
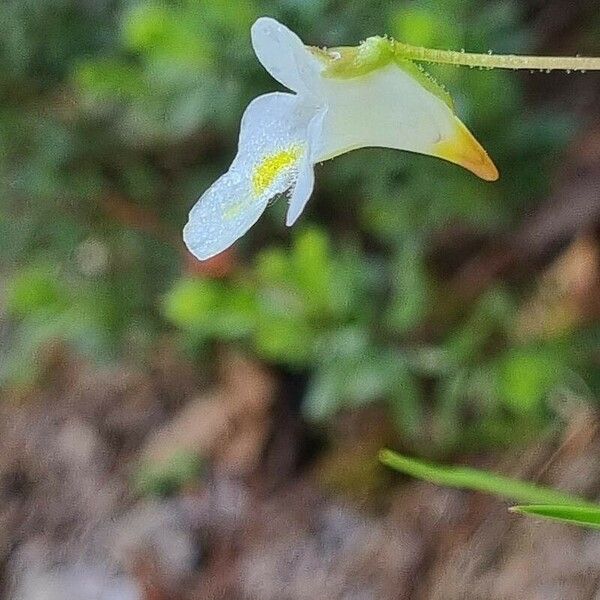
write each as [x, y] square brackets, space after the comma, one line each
[116, 115]
[205, 407]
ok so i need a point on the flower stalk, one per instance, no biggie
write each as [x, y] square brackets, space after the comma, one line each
[496, 61]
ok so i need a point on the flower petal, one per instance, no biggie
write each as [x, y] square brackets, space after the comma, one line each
[391, 108]
[273, 144]
[306, 172]
[302, 192]
[285, 57]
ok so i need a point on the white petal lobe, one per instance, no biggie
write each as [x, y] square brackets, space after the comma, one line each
[301, 194]
[223, 214]
[285, 57]
[273, 144]
[306, 177]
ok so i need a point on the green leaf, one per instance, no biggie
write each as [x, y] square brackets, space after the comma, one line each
[37, 288]
[480, 481]
[527, 375]
[423, 26]
[167, 33]
[412, 287]
[285, 340]
[323, 396]
[583, 516]
[191, 302]
[166, 478]
[406, 400]
[310, 261]
[108, 78]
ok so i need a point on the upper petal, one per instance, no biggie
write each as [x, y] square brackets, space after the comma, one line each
[390, 107]
[285, 57]
[273, 144]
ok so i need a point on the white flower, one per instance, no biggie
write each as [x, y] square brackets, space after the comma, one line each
[345, 98]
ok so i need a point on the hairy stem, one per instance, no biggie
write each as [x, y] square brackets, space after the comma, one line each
[497, 61]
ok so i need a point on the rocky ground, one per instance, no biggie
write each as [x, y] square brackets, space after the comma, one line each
[259, 522]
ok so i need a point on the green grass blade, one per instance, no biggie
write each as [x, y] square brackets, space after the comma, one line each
[481, 481]
[583, 516]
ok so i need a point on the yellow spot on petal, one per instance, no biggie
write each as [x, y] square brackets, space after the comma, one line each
[464, 150]
[272, 166]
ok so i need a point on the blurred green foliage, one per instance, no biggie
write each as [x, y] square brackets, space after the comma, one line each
[116, 114]
[167, 478]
